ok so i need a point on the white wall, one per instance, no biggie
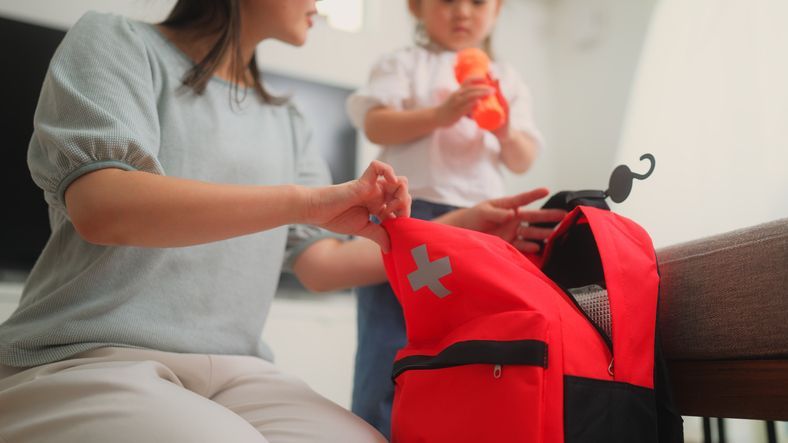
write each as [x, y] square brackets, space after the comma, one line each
[523, 37]
[595, 47]
[711, 103]
[62, 14]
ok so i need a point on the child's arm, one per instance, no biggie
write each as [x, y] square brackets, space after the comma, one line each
[386, 126]
[518, 149]
[331, 264]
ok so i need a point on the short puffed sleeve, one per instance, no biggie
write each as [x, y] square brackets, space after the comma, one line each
[97, 107]
[389, 85]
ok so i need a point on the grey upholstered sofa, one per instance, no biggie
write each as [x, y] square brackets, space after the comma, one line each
[723, 321]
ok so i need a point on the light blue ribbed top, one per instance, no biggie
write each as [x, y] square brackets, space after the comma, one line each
[113, 98]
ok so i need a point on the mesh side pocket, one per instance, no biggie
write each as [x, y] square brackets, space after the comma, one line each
[594, 302]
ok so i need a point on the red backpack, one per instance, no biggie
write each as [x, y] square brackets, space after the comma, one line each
[502, 348]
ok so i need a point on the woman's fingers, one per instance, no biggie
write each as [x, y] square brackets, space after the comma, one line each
[525, 232]
[388, 197]
[522, 199]
[402, 197]
[498, 216]
[541, 215]
[525, 246]
[378, 169]
[377, 234]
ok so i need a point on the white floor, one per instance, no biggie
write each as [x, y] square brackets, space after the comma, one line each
[314, 337]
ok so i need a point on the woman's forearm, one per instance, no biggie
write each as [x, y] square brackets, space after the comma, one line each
[386, 126]
[331, 265]
[133, 208]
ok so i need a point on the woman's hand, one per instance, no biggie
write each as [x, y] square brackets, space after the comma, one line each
[503, 217]
[346, 208]
[461, 102]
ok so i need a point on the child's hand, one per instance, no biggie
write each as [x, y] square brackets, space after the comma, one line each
[347, 207]
[504, 132]
[461, 102]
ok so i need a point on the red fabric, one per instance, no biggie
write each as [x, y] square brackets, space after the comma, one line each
[632, 285]
[496, 293]
[489, 280]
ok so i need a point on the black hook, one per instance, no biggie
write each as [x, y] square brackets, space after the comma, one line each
[621, 179]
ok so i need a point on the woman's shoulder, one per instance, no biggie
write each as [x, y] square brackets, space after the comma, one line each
[97, 32]
[106, 25]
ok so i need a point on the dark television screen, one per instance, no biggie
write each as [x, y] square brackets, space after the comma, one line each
[25, 223]
[25, 226]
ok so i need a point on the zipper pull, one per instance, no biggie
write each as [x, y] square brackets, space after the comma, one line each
[497, 371]
[610, 367]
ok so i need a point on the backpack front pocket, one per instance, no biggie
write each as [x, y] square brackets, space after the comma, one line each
[485, 382]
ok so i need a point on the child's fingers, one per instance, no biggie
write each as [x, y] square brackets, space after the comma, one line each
[474, 80]
[480, 91]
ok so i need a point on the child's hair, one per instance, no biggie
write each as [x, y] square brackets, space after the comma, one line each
[421, 38]
[221, 18]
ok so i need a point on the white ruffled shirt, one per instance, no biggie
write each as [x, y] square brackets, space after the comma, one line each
[458, 165]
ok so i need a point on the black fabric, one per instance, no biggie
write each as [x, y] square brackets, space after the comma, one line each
[669, 422]
[568, 200]
[574, 259]
[610, 412]
[516, 352]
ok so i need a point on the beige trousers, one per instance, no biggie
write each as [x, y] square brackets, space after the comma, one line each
[123, 395]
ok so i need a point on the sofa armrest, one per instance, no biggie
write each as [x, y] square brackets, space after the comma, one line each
[723, 322]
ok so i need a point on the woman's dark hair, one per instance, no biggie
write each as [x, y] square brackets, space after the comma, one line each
[221, 18]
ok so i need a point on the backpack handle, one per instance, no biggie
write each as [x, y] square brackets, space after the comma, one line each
[621, 179]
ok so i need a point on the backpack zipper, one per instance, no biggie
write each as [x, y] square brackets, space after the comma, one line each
[494, 352]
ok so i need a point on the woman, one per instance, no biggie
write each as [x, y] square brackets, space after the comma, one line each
[172, 177]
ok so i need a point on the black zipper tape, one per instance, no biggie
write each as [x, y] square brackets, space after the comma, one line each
[515, 352]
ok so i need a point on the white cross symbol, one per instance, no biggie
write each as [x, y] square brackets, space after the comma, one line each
[429, 273]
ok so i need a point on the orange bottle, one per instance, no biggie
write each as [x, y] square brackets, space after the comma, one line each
[489, 112]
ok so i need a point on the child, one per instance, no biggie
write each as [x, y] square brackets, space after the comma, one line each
[414, 108]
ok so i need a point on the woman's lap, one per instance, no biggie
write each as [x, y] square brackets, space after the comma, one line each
[118, 394]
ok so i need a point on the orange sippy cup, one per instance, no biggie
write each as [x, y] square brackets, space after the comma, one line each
[489, 113]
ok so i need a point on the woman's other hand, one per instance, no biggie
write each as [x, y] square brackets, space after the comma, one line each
[346, 208]
[503, 217]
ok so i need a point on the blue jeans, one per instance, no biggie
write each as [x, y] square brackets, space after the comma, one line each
[381, 333]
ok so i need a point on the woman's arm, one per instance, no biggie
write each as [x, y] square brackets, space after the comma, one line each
[133, 208]
[330, 265]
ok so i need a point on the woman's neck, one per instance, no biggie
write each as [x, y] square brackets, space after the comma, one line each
[196, 46]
